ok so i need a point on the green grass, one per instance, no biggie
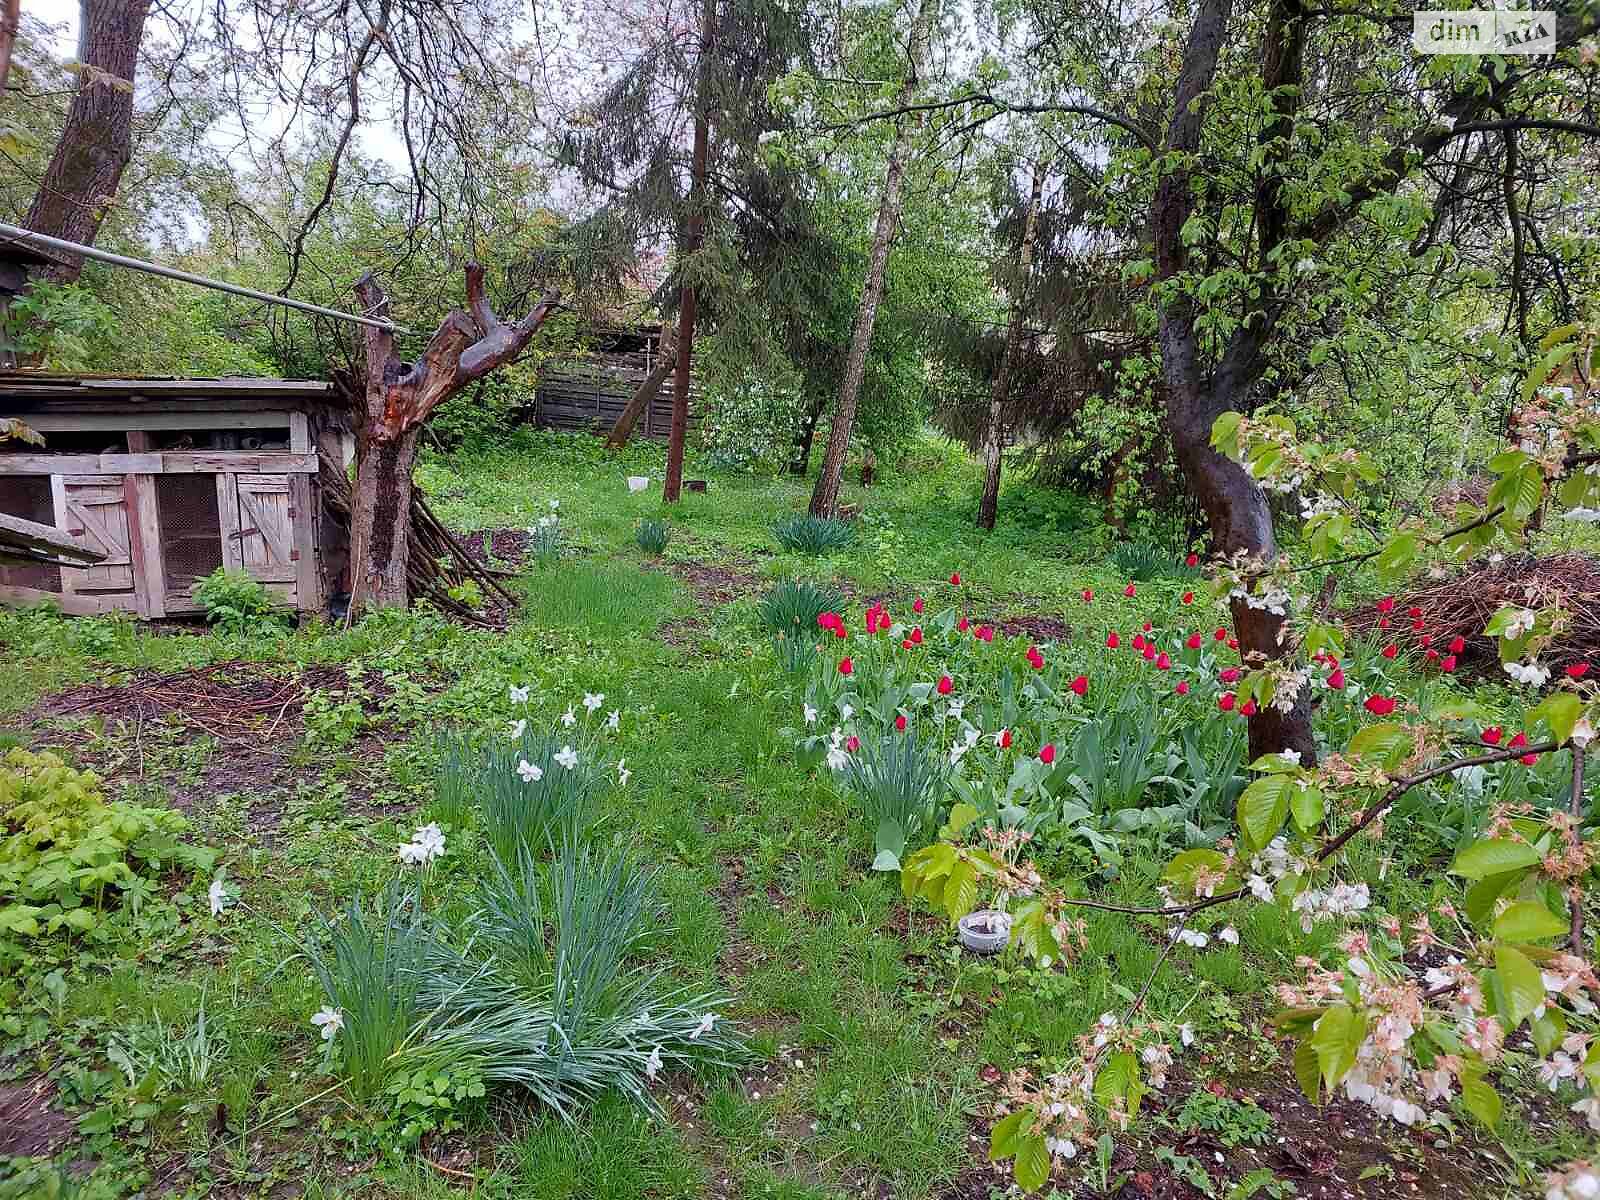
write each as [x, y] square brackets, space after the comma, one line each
[762, 867]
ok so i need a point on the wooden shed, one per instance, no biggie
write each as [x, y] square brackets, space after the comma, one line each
[170, 479]
[588, 391]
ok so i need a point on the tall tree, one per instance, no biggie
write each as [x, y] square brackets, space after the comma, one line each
[10, 26]
[825, 496]
[989, 503]
[84, 171]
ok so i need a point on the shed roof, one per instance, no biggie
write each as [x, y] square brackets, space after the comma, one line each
[26, 390]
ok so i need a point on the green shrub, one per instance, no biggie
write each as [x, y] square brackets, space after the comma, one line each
[652, 536]
[66, 855]
[792, 607]
[1143, 562]
[806, 534]
[236, 603]
[900, 784]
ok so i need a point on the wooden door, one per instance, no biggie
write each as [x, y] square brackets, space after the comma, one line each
[95, 508]
[258, 527]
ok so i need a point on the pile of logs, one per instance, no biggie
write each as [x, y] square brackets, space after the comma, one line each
[437, 562]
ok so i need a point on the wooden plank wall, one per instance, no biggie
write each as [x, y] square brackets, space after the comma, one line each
[590, 396]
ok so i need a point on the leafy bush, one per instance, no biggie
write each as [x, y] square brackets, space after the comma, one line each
[900, 785]
[806, 534]
[236, 603]
[66, 853]
[793, 606]
[652, 536]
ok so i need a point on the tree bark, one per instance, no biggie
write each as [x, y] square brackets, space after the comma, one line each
[10, 25]
[693, 232]
[80, 181]
[645, 395]
[825, 496]
[808, 433]
[469, 344]
[989, 503]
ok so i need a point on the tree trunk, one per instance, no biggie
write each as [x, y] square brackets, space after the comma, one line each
[693, 231]
[645, 396]
[825, 497]
[10, 25]
[80, 182]
[467, 346]
[808, 433]
[989, 504]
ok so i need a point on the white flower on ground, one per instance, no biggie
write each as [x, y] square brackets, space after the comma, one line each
[614, 719]
[653, 1064]
[1531, 673]
[1193, 937]
[569, 718]
[593, 700]
[426, 844]
[218, 895]
[518, 728]
[1589, 1109]
[704, 1027]
[567, 757]
[810, 714]
[837, 758]
[1520, 624]
[1260, 887]
[957, 707]
[1589, 515]
[1186, 1034]
[623, 774]
[530, 772]
[329, 1021]
[1228, 934]
[519, 695]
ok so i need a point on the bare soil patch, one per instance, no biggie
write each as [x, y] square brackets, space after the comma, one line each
[29, 1126]
[712, 585]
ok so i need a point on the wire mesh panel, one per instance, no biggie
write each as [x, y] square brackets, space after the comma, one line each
[191, 529]
[28, 497]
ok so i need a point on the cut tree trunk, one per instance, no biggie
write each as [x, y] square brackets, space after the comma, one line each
[825, 496]
[693, 232]
[989, 503]
[80, 182]
[468, 345]
[645, 395]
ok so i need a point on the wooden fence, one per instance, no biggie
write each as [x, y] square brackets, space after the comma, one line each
[589, 393]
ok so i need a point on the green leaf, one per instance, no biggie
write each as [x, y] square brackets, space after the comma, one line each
[1031, 1169]
[1398, 554]
[1181, 870]
[1528, 921]
[1336, 1039]
[1117, 1084]
[1387, 742]
[1264, 807]
[1308, 1069]
[1560, 711]
[1521, 988]
[1480, 897]
[1225, 434]
[886, 860]
[1492, 856]
[960, 891]
[1482, 1101]
[1307, 808]
[1007, 1132]
[962, 815]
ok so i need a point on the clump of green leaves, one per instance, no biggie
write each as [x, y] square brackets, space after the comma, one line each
[236, 603]
[900, 784]
[67, 856]
[1233, 1122]
[806, 534]
[1142, 562]
[792, 607]
[526, 799]
[652, 536]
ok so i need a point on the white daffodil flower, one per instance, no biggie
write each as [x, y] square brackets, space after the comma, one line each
[593, 700]
[704, 1027]
[518, 728]
[519, 695]
[530, 772]
[329, 1020]
[653, 1064]
[218, 896]
[567, 757]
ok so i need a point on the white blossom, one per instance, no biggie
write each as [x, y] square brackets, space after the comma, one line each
[218, 895]
[1186, 1034]
[1588, 515]
[653, 1064]
[329, 1021]
[1531, 673]
[426, 844]
[1228, 934]
[614, 719]
[1292, 757]
[569, 718]
[530, 772]
[567, 757]
[1520, 624]
[593, 700]
[519, 695]
[623, 774]
[518, 728]
[1193, 937]
[810, 714]
[704, 1027]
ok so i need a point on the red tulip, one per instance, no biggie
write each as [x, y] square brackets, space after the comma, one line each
[1457, 645]
[1416, 625]
[1425, 640]
[1492, 735]
[827, 620]
[883, 620]
[1188, 597]
[1163, 663]
[1080, 685]
[853, 743]
[1447, 664]
[1192, 561]
[985, 633]
[1129, 591]
[1138, 641]
[916, 605]
[905, 644]
[1088, 595]
[1036, 661]
[945, 684]
[1005, 739]
[1413, 612]
[1226, 701]
[1433, 656]
[1520, 739]
[1247, 709]
[1194, 642]
[1391, 650]
[955, 578]
[1379, 706]
[963, 624]
[1183, 688]
[1528, 760]
[1112, 641]
[839, 632]
[1047, 753]
[1147, 627]
[846, 666]
[1233, 643]
[1383, 622]
[1149, 651]
[900, 721]
[1577, 670]
[916, 635]
[872, 619]
[1220, 635]
[1231, 675]
[1386, 605]
[1336, 680]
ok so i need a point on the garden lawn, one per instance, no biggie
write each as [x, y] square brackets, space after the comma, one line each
[306, 758]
